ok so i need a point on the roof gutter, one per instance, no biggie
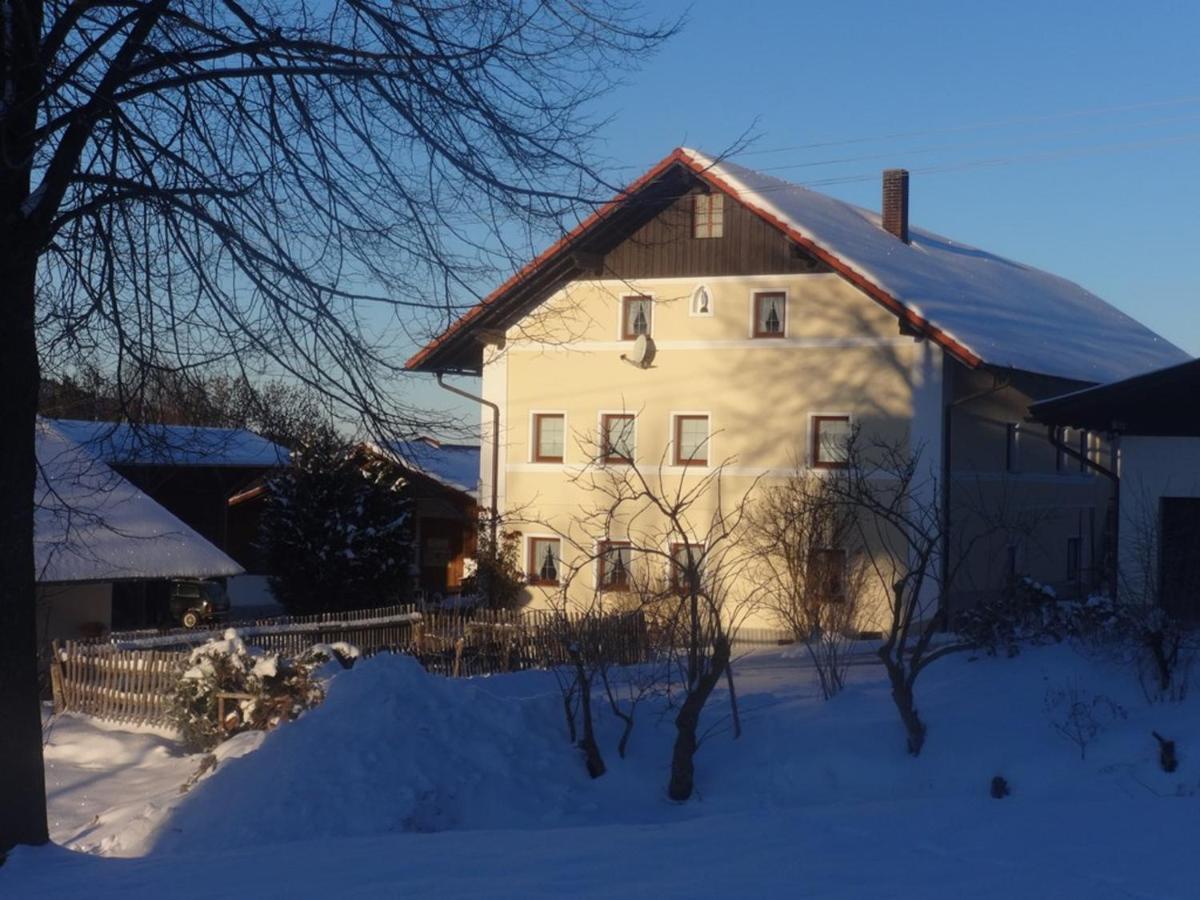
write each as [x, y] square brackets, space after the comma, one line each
[494, 516]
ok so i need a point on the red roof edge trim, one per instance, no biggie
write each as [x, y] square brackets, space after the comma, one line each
[882, 297]
[419, 358]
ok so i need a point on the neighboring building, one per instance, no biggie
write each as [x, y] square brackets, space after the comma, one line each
[193, 471]
[96, 534]
[443, 482]
[777, 318]
[1152, 420]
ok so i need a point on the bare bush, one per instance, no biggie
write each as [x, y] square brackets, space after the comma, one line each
[814, 573]
[896, 506]
[1079, 715]
[673, 546]
[1163, 646]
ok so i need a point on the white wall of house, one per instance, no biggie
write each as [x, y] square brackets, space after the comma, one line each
[1151, 468]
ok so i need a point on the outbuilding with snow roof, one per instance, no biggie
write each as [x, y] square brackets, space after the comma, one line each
[94, 531]
[1152, 420]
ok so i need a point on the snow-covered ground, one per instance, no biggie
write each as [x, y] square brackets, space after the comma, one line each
[407, 784]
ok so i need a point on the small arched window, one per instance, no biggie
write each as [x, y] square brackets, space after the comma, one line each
[702, 304]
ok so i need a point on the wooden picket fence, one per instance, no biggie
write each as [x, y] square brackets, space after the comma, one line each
[762, 637]
[487, 643]
[128, 686]
[130, 678]
[371, 630]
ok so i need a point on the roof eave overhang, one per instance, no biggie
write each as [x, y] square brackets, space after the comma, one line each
[460, 347]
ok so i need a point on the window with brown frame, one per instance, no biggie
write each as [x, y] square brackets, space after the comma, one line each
[617, 437]
[770, 314]
[549, 437]
[636, 315]
[691, 440]
[826, 574]
[545, 560]
[708, 215]
[830, 441]
[685, 568]
[612, 562]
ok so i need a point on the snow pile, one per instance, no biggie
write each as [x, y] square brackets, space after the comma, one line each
[405, 784]
[112, 786]
[391, 749]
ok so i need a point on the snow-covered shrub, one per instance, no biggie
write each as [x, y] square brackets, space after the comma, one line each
[1079, 715]
[1025, 611]
[1142, 636]
[276, 689]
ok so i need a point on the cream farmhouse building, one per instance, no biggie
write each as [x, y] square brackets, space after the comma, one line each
[713, 316]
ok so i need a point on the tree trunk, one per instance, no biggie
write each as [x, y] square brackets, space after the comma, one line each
[22, 780]
[591, 750]
[683, 767]
[902, 696]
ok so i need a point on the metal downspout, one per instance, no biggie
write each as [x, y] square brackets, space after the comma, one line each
[493, 519]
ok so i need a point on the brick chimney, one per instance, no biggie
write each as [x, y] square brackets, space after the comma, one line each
[895, 202]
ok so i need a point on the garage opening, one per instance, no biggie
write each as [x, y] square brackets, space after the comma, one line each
[1179, 557]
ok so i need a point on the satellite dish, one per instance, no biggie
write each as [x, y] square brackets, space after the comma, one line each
[641, 354]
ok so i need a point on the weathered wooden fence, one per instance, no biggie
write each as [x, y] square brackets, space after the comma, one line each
[130, 686]
[487, 643]
[762, 637]
[371, 630]
[130, 677]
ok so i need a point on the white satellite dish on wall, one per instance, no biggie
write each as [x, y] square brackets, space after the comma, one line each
[642, 352]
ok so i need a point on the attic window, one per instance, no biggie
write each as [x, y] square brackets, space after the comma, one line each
[708, 215]
[770, 314]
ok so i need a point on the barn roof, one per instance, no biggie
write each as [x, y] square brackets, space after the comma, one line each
[90, 524]
[122, 443]
[1161, 403]
[452, 465]
[982, 308]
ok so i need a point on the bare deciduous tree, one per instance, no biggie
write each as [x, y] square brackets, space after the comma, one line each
[812, 568]
[645, 525]
[275, 186]
[896, 505]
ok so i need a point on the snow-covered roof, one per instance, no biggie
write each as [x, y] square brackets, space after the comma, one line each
[1005, 313]
[90, 524]
[983, 308]
[454, 465]
[121, 443]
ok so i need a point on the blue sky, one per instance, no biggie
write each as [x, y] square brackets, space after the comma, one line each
[1067, 134]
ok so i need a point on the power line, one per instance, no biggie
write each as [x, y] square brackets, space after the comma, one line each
[995, 162]
[974, 126]
[934, 148]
